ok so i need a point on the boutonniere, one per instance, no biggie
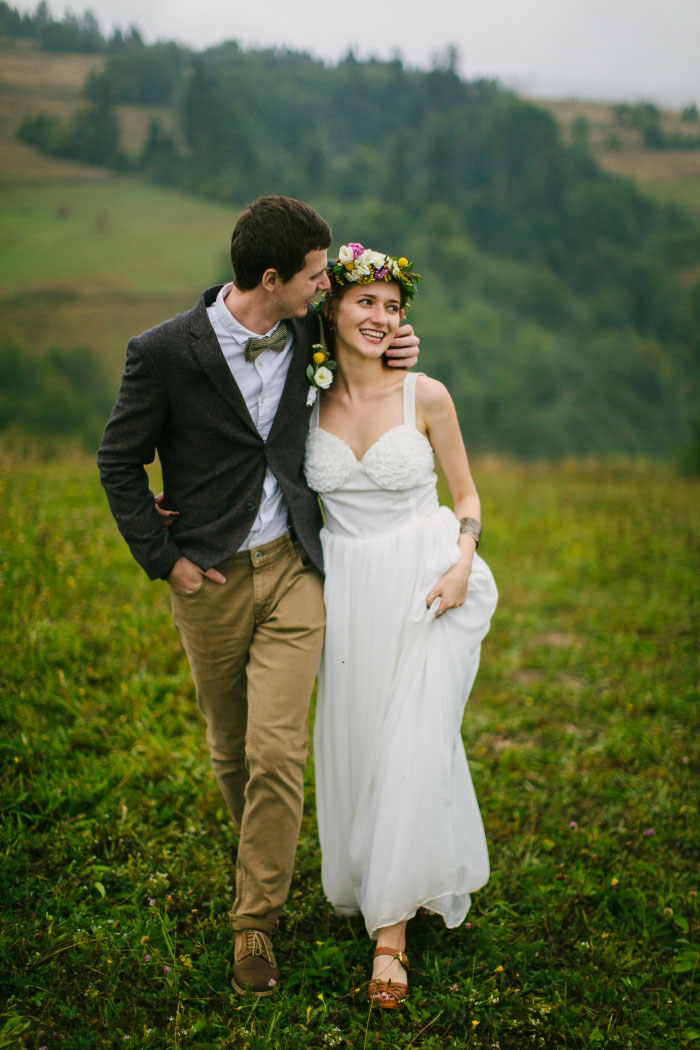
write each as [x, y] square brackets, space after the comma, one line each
[319, 373]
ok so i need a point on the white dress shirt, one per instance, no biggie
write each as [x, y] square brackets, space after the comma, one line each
[261, 382]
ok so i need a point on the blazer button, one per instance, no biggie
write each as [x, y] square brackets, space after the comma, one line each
[250, 505]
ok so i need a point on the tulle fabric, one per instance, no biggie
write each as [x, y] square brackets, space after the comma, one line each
[398, 818]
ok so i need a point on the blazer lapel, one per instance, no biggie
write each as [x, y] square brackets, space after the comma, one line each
[296, 385]
[206, 347]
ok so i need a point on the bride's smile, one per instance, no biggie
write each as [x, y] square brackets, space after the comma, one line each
[367, 316]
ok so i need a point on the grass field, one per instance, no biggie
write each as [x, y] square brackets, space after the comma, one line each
[582, 736]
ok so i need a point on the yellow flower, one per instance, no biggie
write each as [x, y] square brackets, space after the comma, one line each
[350, 266]
[403, 262]
[319, 358]
[499, 969]
[475, 1023]
[614, 882]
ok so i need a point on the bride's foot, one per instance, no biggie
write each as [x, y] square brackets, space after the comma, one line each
[389, 984]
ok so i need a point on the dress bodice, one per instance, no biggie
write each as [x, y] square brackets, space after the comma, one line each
[392, 483]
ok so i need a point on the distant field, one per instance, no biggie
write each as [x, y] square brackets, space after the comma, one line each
[670, 174]
[104, 260]
[88, 257]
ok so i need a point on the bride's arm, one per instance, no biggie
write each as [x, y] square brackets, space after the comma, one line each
[435, 410]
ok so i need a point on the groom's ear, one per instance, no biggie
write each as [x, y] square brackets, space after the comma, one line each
[270, 280]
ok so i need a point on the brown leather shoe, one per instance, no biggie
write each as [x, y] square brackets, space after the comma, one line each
[254, 966]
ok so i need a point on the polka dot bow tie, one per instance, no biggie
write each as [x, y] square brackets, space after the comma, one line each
[277, 341]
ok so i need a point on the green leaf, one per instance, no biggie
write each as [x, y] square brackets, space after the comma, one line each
[100, 889]
[686, 961]
[681, 923]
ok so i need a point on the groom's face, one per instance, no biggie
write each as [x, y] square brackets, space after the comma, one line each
[293, 297]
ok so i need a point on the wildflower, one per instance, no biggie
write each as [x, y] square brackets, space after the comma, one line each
[499, 969]
[475, 1023]
[146, 958]
[151, 901]
[467, 926]
[648, 833]
[454, 987]
[166, 969]
[573, 823]
[323, 377]
[604, 936]
[614, 882]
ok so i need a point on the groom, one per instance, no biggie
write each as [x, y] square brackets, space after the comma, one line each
[219, 393]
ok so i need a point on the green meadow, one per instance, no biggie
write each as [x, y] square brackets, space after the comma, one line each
[582, 737]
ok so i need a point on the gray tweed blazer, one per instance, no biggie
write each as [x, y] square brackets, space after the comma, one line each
[178, 399]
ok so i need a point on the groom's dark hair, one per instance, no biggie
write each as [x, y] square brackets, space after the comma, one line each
[275, 233]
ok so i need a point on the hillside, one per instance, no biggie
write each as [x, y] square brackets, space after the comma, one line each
[669, 174]
[566, 339]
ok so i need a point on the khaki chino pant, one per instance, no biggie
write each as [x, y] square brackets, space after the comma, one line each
[254, 646]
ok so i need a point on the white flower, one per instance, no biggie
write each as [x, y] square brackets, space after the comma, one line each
[323, 377]
[352, 275]
[375, 259]
[344, 254]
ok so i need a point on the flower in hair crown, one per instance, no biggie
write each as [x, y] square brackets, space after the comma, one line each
[358, 265]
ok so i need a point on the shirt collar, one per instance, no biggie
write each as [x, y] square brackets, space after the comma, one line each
[227, 321]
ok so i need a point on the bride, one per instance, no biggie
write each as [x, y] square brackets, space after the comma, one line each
[408, 602]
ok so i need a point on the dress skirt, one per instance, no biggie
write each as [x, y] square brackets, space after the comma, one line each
[398, 818]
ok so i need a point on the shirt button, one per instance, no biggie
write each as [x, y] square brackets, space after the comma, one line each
[250, 505]
[257, 556]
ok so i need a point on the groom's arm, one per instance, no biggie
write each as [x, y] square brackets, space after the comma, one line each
[403, 352]
[130, 440]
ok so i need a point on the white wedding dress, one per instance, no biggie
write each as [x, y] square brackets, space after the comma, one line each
[398, 819]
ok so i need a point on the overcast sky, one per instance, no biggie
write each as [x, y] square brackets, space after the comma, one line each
[588, 49]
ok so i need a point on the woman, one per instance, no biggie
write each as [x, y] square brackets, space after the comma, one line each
[408, 602]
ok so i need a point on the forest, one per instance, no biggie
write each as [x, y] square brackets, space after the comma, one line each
[560, 304]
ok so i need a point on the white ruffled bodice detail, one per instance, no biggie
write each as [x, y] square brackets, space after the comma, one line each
[393, 482]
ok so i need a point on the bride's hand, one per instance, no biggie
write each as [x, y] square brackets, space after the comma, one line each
[451, 588]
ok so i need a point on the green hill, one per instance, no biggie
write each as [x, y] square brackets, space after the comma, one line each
[560, 304]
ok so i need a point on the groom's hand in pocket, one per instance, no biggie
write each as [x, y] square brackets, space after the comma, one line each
[186, 577]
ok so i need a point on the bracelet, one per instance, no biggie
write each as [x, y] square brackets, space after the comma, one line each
[470, 527]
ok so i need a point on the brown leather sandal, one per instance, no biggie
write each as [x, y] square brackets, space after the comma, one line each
[394, 991]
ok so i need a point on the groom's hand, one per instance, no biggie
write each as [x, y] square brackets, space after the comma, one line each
[403, 352]
[186, 577]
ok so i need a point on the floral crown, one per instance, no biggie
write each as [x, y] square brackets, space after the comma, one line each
[358, 265]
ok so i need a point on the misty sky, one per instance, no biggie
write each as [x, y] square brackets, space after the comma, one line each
[589, 49]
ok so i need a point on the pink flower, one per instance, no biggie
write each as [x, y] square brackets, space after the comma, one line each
[151, 901]
[467, 926]
[146, 958]
[166, 969]
[356, 249]
[648, 833]
[573, 823]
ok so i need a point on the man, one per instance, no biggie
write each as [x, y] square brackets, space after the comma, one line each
[220, 394]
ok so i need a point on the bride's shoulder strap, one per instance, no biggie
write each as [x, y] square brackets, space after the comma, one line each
[409, 397]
